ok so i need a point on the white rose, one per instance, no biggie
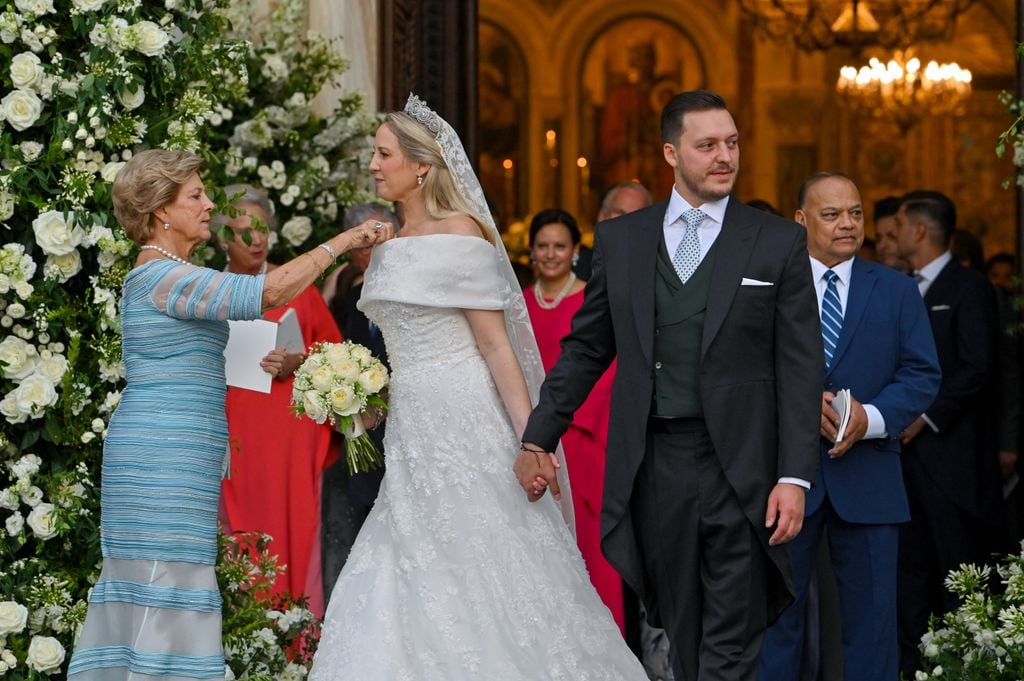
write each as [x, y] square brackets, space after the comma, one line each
[297, 230]
[6, 205]
[9, 409]
[344, 401]
[26, 466]
[16, 310]
[347, 370]
[34, 394]
[34, 7]
[15, 524]
[372, 381]
[21, 108]
[132, 100]
[322, 378]
[17, 357]
[45, 654]
[13, 617]
[23, 289]
[26, 71]
[52, 368]
[62, 267]
[152, 38]
[43, 521]
[313, 407]
[9, 499]
[31, 150]
[88, 5]
[32, 496]
[88, 437]
[55, 235]
[336, 353]
[108, 173]
[361, 354]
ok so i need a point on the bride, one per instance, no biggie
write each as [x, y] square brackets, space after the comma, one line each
[455, 576]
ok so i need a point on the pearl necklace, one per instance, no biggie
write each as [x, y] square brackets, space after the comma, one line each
[164, 252]
[263, 268]
[539, 296]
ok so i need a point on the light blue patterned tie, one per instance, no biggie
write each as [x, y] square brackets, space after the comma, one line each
[831, 317]
[687, 255]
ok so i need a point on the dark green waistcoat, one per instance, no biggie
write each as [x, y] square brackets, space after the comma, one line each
[678, 327]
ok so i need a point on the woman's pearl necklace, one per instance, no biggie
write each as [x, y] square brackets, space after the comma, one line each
[164, 252]
[263, 268]
[539, 296]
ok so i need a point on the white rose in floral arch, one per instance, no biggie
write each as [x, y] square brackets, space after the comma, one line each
[34, 394]
[88, 5]
[62, 267]
[25, 467]
[55, 234]
[297, 230]
[13, 617]
[6, 206]
[34, 7]
[21, 108]
[43, 521]
[45, 654]
[32, 496]
[151, 38]
[18, 358]
[14, 524]
[313, 406]
[132, 100]
[26, 71]
[52, 368]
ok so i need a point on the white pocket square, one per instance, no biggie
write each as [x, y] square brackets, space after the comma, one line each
[939, 308]
[755, 282]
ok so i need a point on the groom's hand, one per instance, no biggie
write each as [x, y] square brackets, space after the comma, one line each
[535, 470]
[785, 511]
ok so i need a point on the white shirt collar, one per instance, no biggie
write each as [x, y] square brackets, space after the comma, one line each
[677, 205]
[844, 270]
[930, 271]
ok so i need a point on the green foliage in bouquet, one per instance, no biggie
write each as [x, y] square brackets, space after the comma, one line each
[312, 167]
[983, 639]
[85, 84]
[267, 638]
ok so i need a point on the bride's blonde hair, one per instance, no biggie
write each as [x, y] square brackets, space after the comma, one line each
[441, 198]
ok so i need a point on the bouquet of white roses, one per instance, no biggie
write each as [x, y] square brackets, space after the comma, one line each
[337, 383]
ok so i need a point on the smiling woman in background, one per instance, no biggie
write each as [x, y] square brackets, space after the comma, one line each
[552, 301]
[277, 459]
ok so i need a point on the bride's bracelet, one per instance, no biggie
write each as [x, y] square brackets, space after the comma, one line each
[531, 450]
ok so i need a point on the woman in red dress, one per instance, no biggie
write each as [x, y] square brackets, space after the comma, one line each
[552, 301]
[276, 458]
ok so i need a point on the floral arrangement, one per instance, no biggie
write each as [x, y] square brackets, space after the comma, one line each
[311, 167]
[85, 84]
[336, 383]
[265, 637]
[983, 639]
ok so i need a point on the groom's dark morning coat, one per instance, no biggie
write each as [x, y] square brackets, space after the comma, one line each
[761, 369]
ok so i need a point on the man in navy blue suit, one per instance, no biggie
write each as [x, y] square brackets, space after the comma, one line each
[879, 345]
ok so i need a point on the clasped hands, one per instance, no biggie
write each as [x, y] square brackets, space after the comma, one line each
[535, 469]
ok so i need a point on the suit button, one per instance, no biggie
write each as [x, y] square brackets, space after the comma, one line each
[657, 365]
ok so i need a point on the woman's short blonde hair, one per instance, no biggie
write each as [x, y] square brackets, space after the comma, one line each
[441, 197]
[148, 182]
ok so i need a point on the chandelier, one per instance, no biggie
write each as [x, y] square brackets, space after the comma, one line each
[902, 89]
[821, 24]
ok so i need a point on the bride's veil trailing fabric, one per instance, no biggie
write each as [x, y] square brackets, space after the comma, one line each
[517, 319]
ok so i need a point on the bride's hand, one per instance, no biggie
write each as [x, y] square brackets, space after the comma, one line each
[535, 470]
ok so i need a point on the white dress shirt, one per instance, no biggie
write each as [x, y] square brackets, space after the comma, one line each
[844, 272]
[707, 231]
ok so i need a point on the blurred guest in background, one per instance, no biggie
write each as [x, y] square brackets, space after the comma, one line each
[277, 459]
[623, 198]
[1001, 270]
[761, 204]
[884, 218]
[347, 499]
[552, 301]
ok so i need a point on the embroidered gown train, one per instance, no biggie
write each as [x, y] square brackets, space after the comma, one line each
[455, 576]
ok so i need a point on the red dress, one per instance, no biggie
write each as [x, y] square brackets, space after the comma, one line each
[585, 444]
[276, 463]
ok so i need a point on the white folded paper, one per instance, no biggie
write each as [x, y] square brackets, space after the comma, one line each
[248, 344]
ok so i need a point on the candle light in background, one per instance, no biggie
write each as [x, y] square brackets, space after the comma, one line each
[581, 163]
[550, 138]
[510, 178]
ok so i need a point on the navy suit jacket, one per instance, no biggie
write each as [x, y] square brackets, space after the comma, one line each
[886, 357]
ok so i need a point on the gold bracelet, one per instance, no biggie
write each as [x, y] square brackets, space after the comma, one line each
[322, 269]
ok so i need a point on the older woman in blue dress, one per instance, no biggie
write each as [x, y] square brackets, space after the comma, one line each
[155, 610]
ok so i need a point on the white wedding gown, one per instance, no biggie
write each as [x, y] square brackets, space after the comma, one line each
[455, 575]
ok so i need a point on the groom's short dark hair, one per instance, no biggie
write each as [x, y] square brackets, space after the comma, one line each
[682, 104]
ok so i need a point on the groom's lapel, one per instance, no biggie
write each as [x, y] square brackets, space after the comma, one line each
[642, 267]
[732, 251]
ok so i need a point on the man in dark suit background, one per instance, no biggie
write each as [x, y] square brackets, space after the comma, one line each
[949, 461]
[708, 305]
[878, 344]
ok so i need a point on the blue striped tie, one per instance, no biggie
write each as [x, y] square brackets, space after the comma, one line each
[831, 317]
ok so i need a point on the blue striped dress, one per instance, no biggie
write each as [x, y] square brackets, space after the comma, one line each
[155, 611]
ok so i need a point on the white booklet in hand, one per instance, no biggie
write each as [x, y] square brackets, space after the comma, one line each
[842, 403]
[289, 334]
[248, 343]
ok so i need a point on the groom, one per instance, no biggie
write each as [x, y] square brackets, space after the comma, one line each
[709, 306]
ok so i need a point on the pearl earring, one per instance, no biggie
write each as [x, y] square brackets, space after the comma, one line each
[167, 226]
[419, 179]
[575, 259]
